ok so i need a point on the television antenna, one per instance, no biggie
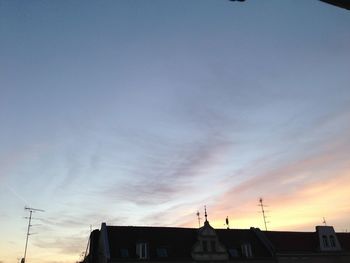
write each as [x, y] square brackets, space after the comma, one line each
[324, 221]
[31, 210]
[227, 222]
[88, 243]
[261, 204]
[198, 218]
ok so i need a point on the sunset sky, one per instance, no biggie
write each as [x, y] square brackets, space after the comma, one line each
[138, 112]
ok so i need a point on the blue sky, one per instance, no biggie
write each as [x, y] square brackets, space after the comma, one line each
[142, 112]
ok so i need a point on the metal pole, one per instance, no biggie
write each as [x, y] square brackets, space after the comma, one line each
[199, 219]
[25, 249]
[263, 212]
[31, 210]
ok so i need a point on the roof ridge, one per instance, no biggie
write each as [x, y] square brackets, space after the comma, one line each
[167, 227]
[288, 231]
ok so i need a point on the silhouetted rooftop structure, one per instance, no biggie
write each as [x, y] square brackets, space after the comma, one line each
[206, 244]
[340, 3]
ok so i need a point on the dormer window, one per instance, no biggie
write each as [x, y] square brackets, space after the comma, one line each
[325, 241]
[124, 252]
[162, 252]
[233, 253]
[213, 245]
[141, 250]
[247, 250]
[205, 245]
[332, 241]
[208, 247]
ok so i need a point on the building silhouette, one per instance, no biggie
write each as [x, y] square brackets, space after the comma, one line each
[206, 244]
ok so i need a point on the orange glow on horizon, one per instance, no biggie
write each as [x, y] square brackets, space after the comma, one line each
[301, 211]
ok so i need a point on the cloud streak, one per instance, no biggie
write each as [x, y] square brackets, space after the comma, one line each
[167, 167]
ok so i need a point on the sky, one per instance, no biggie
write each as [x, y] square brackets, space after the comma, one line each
[141, 112]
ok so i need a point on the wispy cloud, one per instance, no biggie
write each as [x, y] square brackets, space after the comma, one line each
[164, 175]
[298, 191]
[62, 221]
[70, 244]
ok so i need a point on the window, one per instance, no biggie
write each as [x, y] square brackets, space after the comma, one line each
[162, 252]
[247, 250]
[325, 241]
[233, 253]
[124, 252]
[141, 250]
[332, 241]
[205, 245]
[213, 245]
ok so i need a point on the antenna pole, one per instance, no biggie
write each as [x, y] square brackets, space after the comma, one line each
[263, 211]
[199, 219]
[87, 246]
[324, 221]
[29, 225]
[31, 210]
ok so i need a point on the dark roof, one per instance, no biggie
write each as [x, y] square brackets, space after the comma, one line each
[344, 240]
[284, 241]
[177, 241]
[341, 3]
[234, 238]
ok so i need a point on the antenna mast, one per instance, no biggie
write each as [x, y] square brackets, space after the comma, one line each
[198, 218]
[87, 246]
[324, 221]
[31, 210]
[263, 211]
